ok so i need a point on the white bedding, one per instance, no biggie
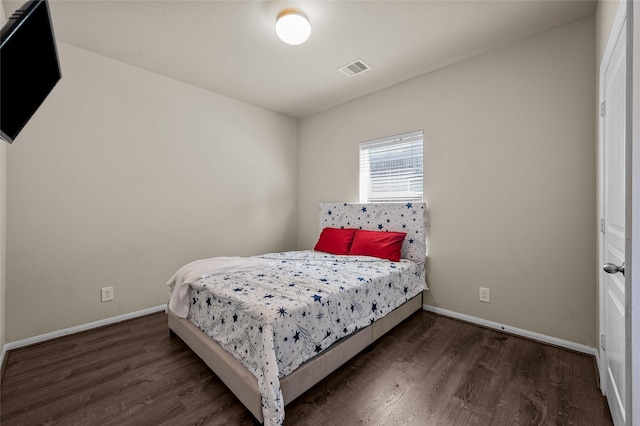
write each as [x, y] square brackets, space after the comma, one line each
[274, 318]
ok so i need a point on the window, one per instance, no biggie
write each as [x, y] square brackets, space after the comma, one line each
[391, 168]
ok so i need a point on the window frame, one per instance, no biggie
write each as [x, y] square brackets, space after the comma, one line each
[392, 149]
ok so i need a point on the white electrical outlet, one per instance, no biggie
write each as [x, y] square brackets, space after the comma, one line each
[485, 295]
[106, 294]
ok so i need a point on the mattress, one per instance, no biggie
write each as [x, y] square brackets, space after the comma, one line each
[274, 319]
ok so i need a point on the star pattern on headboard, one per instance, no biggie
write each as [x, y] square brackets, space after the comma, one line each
[401, 217]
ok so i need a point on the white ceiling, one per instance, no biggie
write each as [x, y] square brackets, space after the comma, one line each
[230, 47]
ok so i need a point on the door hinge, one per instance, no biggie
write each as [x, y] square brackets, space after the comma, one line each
[602, 341]
[602, 225]
[602, 109]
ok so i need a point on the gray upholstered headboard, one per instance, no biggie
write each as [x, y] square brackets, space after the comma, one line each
[409, 217]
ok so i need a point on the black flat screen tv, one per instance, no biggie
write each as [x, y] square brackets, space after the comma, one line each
[29, 66]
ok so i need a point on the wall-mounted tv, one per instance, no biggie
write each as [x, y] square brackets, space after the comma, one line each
[29, 66]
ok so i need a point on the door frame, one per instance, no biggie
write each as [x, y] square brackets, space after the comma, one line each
[616, 29]
[633, 213]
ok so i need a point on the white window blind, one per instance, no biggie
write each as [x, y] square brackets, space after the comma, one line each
[391, 168]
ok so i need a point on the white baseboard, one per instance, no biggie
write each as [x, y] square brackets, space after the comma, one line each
[514, 330]
[78, 328]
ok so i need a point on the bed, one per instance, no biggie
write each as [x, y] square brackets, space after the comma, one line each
[272, 326]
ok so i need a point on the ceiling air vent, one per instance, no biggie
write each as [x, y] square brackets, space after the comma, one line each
[356, 67]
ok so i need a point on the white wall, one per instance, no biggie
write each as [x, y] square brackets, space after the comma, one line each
[121, 177]
[509, 178]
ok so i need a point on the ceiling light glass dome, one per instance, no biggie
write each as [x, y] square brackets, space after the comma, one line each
[292, 26]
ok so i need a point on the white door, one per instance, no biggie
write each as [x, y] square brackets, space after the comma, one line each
[613, 241]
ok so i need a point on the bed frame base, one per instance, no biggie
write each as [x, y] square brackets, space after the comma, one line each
[245, 386]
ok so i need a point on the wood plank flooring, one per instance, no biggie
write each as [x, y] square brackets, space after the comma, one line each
[430, 370]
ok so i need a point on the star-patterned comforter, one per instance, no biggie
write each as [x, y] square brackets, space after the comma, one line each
[272, 320]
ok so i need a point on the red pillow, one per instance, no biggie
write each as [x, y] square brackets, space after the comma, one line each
[335, 240]
[385, 245]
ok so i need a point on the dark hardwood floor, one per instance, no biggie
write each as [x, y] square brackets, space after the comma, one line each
[430, 370]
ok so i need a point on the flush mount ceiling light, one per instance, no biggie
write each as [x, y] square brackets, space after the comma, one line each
[292, 26]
